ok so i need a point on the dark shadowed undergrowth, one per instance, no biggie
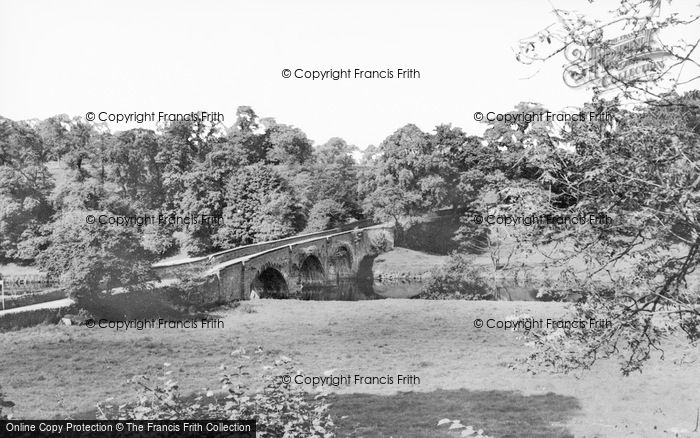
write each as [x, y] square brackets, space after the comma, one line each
[500, 414]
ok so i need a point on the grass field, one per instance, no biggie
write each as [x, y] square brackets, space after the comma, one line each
[55, 371]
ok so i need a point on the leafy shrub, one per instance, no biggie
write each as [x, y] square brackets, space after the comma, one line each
[380, 243]
[90, 258]
[197, 292]
[18, 320]
[4, 404]
[457, 279]
[12, 302]
[281, 408]
[178, 299]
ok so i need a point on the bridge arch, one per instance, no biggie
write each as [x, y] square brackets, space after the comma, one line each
[269, 282]
[340, 261]
[311, 270]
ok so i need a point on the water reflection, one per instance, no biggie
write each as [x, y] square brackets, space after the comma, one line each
[343, 289]
[353, 289]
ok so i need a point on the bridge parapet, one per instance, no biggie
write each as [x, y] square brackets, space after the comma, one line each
[282, 266]
[196, 265]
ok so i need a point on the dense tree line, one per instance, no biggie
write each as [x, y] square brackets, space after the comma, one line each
[265, 179]
[639, 166]
[262, 177]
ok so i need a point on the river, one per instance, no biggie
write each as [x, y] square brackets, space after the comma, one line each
[353, 289]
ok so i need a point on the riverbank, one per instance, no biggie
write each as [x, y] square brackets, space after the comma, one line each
[405, 264]
[401, 272]
[464, 372]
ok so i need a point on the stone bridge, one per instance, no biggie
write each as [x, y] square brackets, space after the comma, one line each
[282, 267]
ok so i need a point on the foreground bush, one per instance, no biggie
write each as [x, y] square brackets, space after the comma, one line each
[192, 292]
[457, 279]
[12, 302]
[19, 320]
[178, 299]
[4, 404]
[281, 408]
[381, 242]
[92, 259]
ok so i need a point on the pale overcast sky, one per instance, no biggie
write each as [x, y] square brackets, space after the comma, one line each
[176, 56]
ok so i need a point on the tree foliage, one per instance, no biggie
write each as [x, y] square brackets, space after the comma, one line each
[645, 175]
[634, 50]
[92, 259]
[265, 180]
[25, 185]
[259, 206]
[334, 176]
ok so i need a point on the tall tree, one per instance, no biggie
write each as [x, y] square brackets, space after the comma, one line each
[92, 259]
[70, 140]
[25, 185]
[334, 177]
[643, 173]
[183, 144]
[286, 144]
[397, 173]
[134, 168]
[259, 206]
